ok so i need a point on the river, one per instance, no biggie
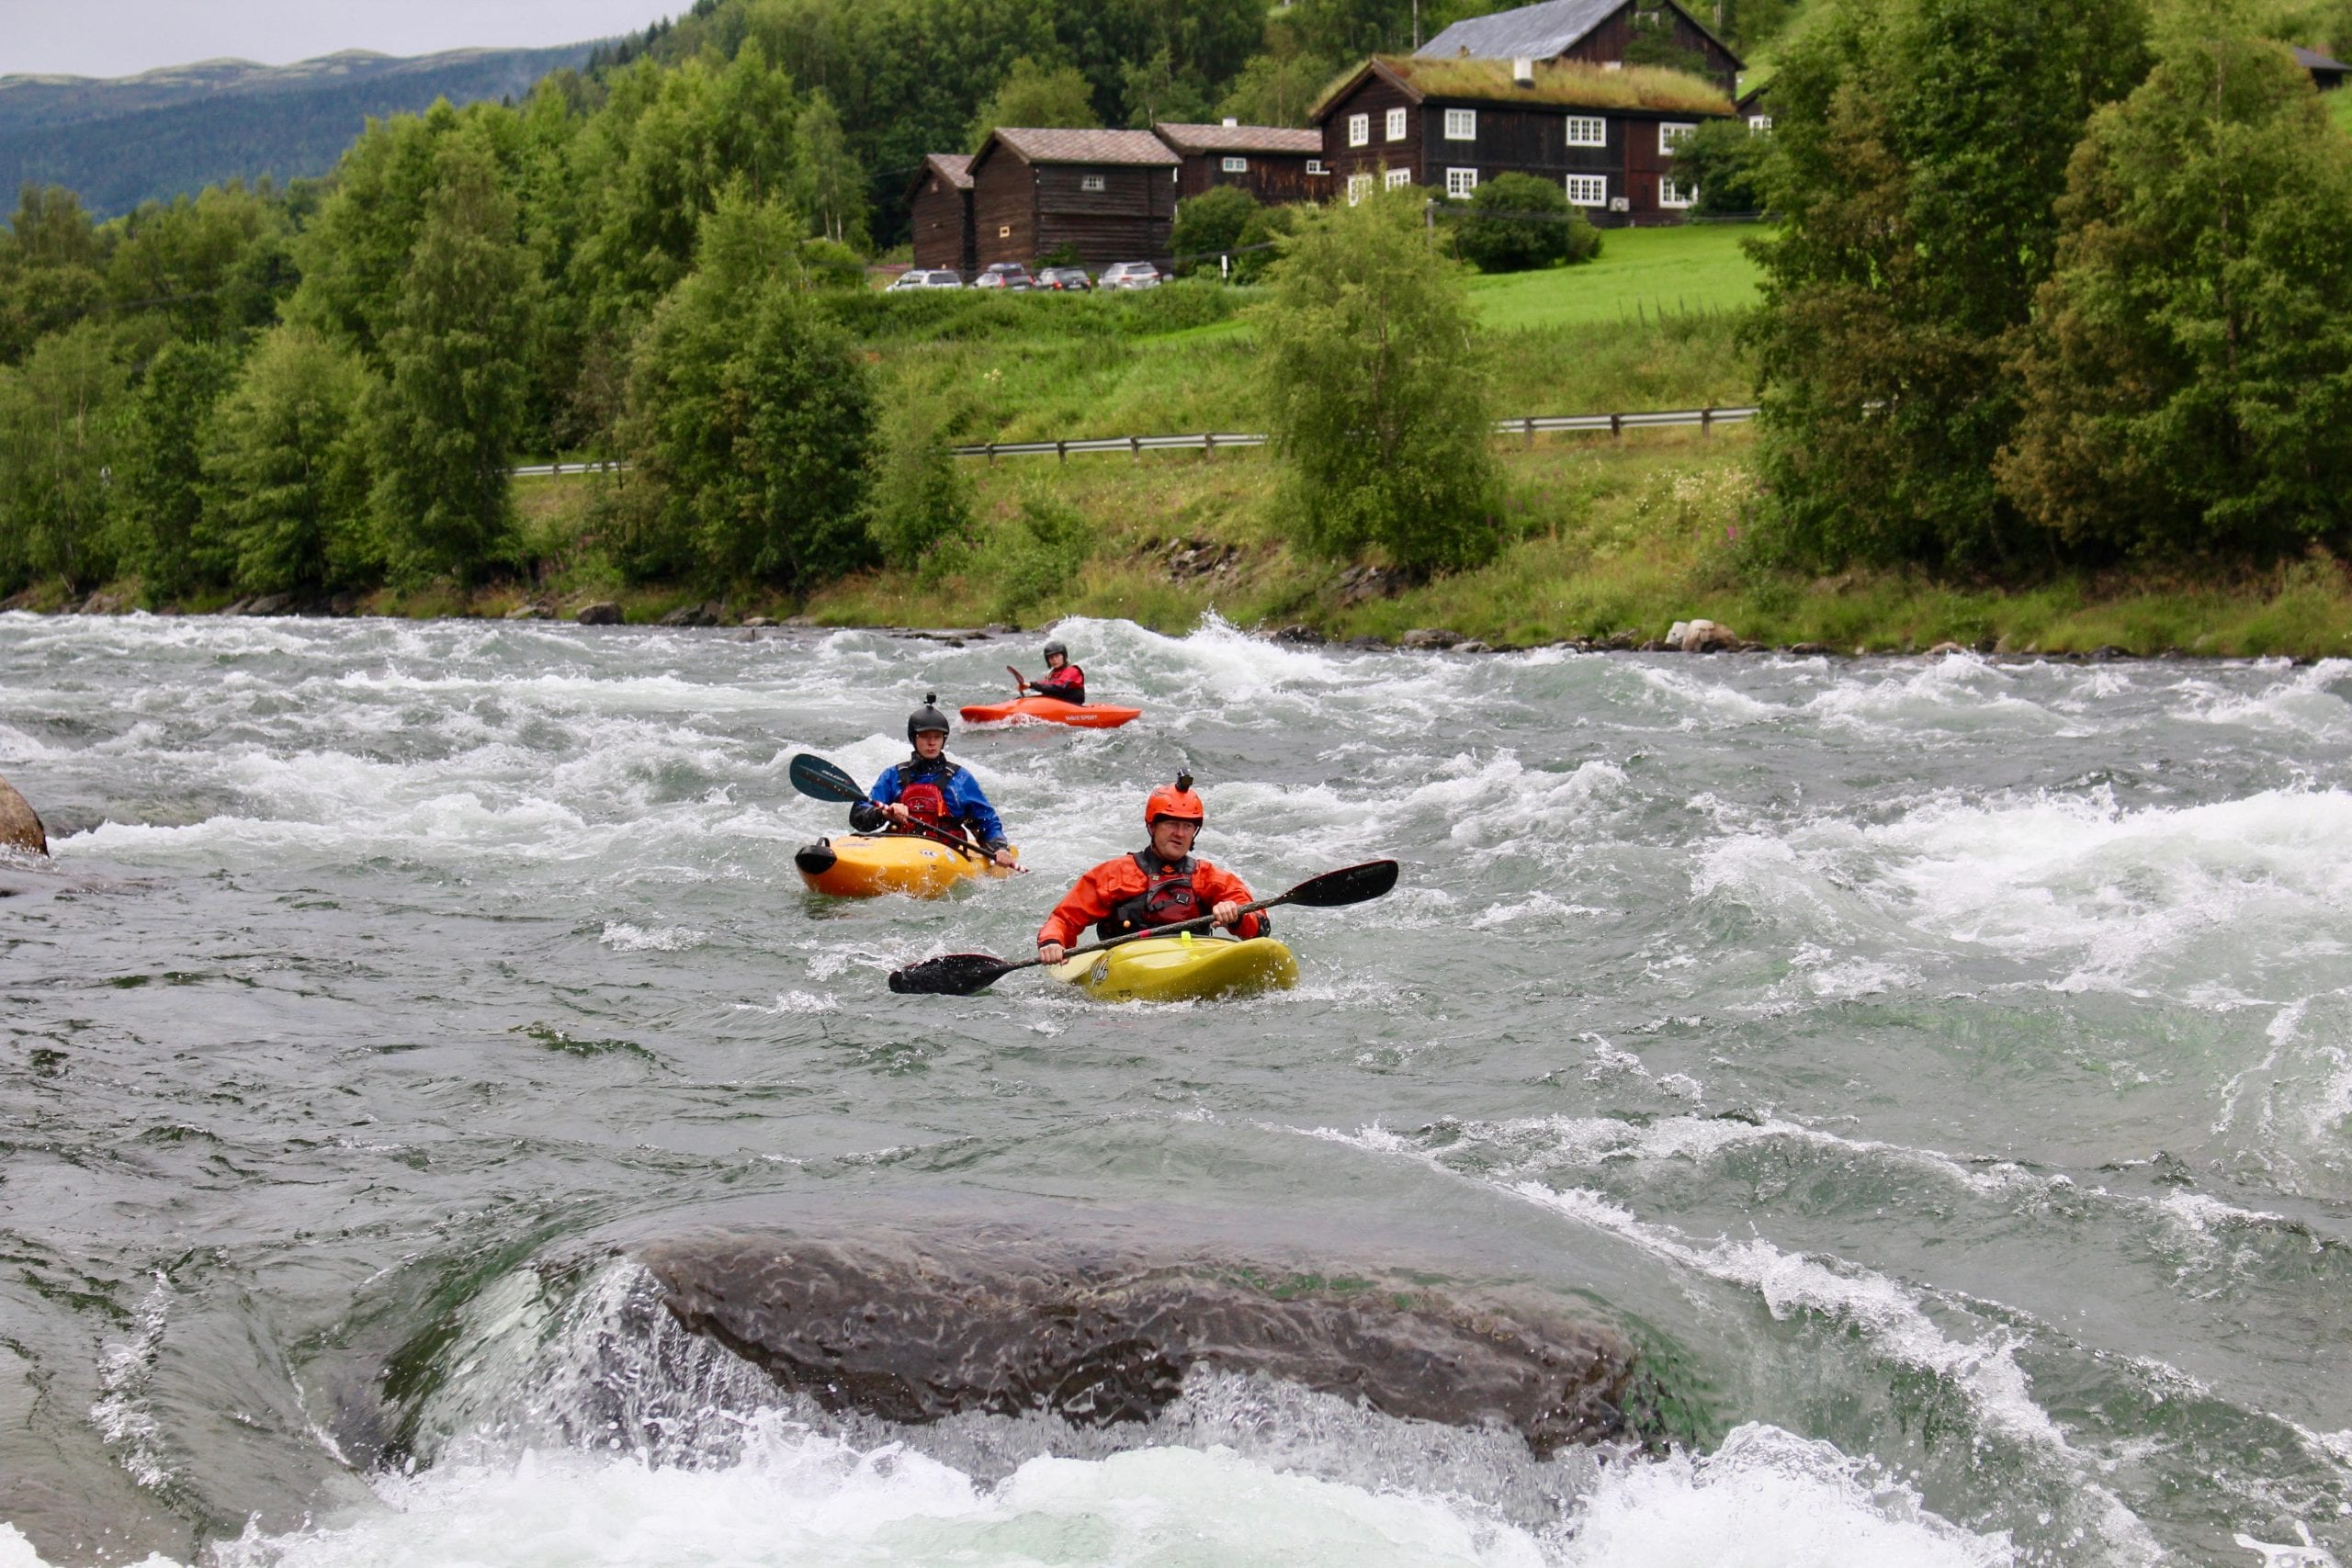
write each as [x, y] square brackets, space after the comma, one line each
[1941, 1071]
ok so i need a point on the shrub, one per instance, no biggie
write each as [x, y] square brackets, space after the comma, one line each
[1208, 223]
[1037, 552]
[1727, 161]
[920, 503]
[1519, 223]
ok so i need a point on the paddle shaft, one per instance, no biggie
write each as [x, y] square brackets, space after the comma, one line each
[1202, 924]
[1020, 681]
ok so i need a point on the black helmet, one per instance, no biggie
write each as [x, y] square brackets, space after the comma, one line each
[1057, 645]
[927, 716]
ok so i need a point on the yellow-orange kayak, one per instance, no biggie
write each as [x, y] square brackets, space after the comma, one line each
[1182, 968]
[862, 866]
[1051, 710]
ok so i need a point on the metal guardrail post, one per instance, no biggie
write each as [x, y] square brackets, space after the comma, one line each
[1208, 445]
[1617, 427]
[1135, 448]
[1062, 450]
[1527, 425]
[1707, 420]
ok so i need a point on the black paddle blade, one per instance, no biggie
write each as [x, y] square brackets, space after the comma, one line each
[1349, 884]
[815, 776]
[957, 975]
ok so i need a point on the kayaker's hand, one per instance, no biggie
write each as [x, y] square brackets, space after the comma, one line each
[896, 813]
[1005, 859]
[1227, 914]
[1049, 953]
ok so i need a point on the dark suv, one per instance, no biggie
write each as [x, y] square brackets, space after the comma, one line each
[1067, 279]
[1005, 274]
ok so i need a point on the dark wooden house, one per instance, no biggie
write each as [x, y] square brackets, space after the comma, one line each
[941, 207]
[1271, 163]
[1606, 135]
[1098, 196]
[2327, 72]
[1608, 33]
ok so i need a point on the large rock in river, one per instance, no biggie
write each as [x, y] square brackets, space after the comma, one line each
[20, 826]
[915, 1327]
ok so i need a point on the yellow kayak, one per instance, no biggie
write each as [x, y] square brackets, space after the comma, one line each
[862, 866]
[1182, 968]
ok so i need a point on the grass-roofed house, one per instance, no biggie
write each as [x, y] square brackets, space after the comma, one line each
[1096, 196]
[1605, 133]
[940, 208]
[1611, 34]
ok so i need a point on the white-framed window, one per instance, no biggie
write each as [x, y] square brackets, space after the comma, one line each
[1089, 181]
[1359, 129]
[1236, 165]
[1613, 65]
[1399, 177]
[1359, 186]
[1588, 190]
[1757, 124]
[1461, 125]
[1587, 130]
[1315, 167]
[1396, 125]
[1671, 134]
[1460, 183]
[1672, 194]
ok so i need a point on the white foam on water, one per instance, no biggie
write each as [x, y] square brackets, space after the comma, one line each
[2304, 706]
[623, 937]
[122, 1415]
[1957, 692]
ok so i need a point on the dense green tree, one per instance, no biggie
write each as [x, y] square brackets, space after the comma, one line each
[1519, 223]
[159, 483]
[749, 417]
[212, 265]
[920, 505]
[1727, 161]
[1034, 95]
[826, 181]
[1379, 408]
[355, 255]
[1279, 86]
[2188, 367]
[61, 421]
[445, 418]
[52, 266]
[284, 460]
[1208, 223]
[1919, 148]
[1256, 245]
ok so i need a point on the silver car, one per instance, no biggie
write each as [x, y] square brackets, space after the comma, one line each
[1129, 274]
[917, 277]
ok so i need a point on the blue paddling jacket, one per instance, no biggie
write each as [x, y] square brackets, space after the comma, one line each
[965, 807]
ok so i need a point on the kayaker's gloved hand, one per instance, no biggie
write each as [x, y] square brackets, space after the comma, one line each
[1003, 856]
[1227, 914]
[867, 817]
[1049, 953]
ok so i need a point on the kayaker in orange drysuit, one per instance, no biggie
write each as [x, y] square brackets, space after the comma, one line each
[1155, 887]
[930, 791]
[1062, 679]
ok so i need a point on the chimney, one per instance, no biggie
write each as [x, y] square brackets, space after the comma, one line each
[1230, 121]
[1523, 71]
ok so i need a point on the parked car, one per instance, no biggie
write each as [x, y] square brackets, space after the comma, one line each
[918, 278]
[1066, 279]
[1005, 274]
[1130, 275]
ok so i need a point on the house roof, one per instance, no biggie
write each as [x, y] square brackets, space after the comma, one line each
[2313, 59]
[954, 165]
[1558, 83]
[1044, 146]
[1542, 31]
[1240, 138]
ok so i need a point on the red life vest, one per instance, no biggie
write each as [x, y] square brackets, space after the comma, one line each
[925, 802]
[1168, 899]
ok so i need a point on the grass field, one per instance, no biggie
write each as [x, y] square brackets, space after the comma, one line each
[2339, 104]
[1641, 274]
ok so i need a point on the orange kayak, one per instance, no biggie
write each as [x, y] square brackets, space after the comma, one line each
[1052, 710]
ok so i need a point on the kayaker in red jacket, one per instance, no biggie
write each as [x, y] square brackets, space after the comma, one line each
[1062, 679]
[1157, 886]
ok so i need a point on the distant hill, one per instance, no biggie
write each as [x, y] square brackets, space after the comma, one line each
[118, 142]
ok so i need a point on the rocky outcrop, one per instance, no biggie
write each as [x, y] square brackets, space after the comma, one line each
[1430, 637]
[703, 614]
[603, 613]
[1360, 583]
[1701, 636]
[20, 827]
[916, 1327]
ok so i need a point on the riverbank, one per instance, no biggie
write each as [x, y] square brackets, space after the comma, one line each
[1612, 542]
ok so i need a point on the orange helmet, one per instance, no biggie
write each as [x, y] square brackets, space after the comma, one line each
[1176, 800]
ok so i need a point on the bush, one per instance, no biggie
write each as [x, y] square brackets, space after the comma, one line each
[1727, 161]
[1519, 223]
[1257, 242]
[1039, 551]
[1210, 222]
[920, 503]
[286, 471]
[1377, 396]
[829, 264]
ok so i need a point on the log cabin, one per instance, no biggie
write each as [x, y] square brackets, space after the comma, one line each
[1273, 164]
[1609, 33]
[939, 206]
[1096, 196]
[1606, 134]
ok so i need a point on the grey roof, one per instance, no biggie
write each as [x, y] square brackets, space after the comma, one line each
[2313, 59]
[954, 165]
[1084, 147]
[1240, 138]
[1531, 32]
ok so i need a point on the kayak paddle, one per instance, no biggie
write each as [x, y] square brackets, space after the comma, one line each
[961, 973]
[814, 776]
[1020, 681]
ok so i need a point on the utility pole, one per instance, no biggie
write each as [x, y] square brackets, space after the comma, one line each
[1417, 26]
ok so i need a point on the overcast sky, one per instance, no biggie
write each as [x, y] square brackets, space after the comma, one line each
[123, 38]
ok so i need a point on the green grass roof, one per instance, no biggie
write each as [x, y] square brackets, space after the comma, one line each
[1563, 83]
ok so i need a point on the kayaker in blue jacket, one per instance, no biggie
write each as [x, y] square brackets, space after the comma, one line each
[930, 791]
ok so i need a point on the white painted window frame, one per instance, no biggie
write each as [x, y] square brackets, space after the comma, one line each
[1672, 133]
[1585, 130]
[1759, 124]
[1461, 125]
[1315, 167]
[1359, 186]
[1398, 178]
[1360, 130]
[1594, 189]
[1396, 127]
[1234, 166]
[1092, 182]
[1672, 194]
[1460, 183]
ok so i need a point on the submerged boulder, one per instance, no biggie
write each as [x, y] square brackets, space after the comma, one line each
[20, 826]
[913, 1328]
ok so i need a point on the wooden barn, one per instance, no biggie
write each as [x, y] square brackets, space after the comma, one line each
[941, 207]
[1098, 196]
[2327, 71]
[1611, 34]
[1607, 135]
[1271, 163]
